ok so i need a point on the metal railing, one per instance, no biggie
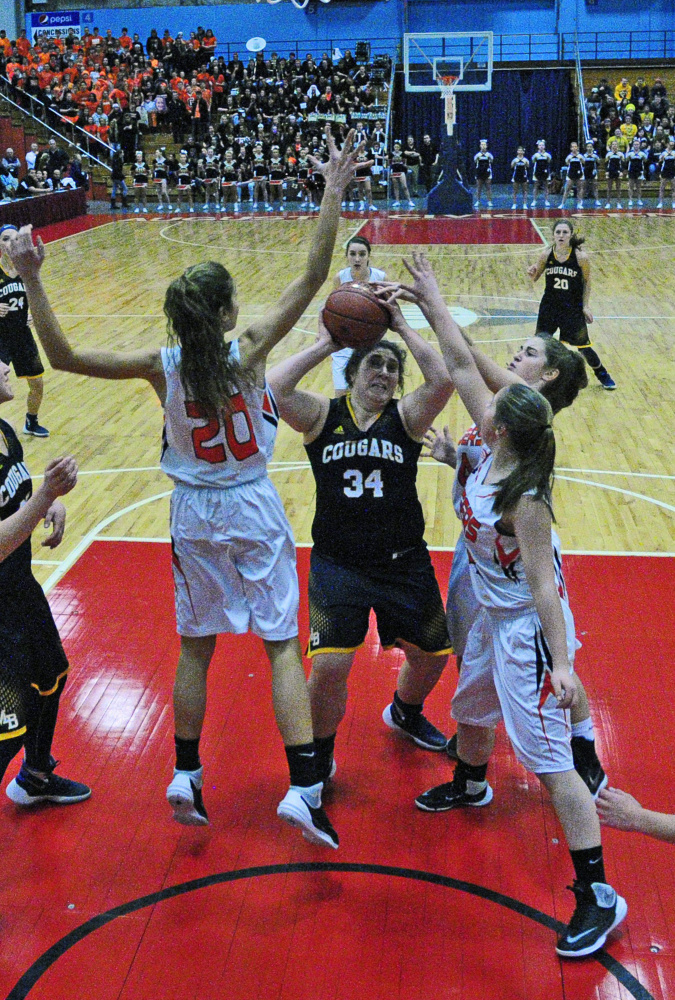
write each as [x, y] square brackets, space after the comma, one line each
[619, 46]
[581, 97]
[80, 139]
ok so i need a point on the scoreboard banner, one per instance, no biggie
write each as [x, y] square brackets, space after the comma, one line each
[58, 22]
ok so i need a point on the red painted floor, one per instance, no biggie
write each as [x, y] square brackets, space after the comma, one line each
[369, 933]
[468, 231]
[80, 224]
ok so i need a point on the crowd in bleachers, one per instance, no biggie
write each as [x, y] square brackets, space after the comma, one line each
[627, 111]
[43, 171]
[265, 109]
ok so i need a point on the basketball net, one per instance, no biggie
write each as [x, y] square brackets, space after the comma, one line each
[447, 85]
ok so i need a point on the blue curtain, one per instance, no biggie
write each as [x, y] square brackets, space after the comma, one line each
[523, 106]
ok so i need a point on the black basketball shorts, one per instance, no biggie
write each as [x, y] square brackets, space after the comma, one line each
[21, 351]
[570, 322]
[31, 653]
[404, 596]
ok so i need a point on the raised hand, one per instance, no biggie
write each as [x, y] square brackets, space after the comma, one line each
[60, 476]
[26, 257]
[425, 285]
[338, 171]
[440, 446]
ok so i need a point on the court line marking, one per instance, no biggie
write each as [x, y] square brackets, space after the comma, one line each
[432, 548]
[617, 489]
[46, 562]
[538, 231]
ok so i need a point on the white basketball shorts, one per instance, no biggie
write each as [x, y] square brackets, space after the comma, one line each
[504, 675]
[462, 606]
[233, 561]
[338, 362]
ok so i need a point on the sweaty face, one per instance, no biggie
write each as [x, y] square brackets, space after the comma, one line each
[376, 379]
[529, 362]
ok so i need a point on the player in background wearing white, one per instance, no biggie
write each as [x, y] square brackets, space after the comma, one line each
[518, 663]
[358, 269]
[483, 161]
[541, 173]
[234, 557]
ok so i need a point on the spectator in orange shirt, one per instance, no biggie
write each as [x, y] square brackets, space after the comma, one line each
[5, 43]
[23, 45]
[125, 41]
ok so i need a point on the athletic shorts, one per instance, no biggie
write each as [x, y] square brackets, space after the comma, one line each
[572, 324]
[404, 596]
[504, 675]
[21, 351]
[338, 362]
[462, 606]
[31, 654]
[233, 562]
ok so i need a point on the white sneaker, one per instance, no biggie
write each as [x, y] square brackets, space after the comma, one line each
[136, 210]
[533, 205]
[362, 206]
[476, 204]
[351, 204]
[344, 204]
[660, 205]
[630, 204]
[547, 204]
[184, 795]
[169, 208]
[608, 205]
[176, 209]
[674, 204]
[296, 809]
[255, 206]
[411, 204]
[192, 208]
[619, 205]
[598, 205]
[640, 202]
[489, 204]
[580, 204]
[514, 206]
[396, 204]
[237, 206]
[268, 207]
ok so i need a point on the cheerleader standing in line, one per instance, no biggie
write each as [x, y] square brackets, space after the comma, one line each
[520, 167]
[591, 160]
[483, 161]
[636, 159]
[575, 175]
[667, 169]
[541, 173]
[159, 178]
[614, 163]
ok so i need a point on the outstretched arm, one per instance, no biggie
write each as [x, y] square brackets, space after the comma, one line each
[456, 353]
[146, 363]
[261, 336]
[622, 811]
[304, 411]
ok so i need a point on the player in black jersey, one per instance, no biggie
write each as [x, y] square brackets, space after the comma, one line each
[667, 170]
[575, 175]
[565, 304]
[483, 161]
[520, 166]
[17, 344]
[33, 665]
[368, 530]
[614, 164]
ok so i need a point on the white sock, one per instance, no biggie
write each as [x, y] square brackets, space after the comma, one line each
[475, 787]
[584, 729]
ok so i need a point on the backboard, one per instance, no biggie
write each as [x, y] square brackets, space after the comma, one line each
[428, 56]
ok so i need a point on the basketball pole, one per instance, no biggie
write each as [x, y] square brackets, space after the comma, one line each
[449, 196]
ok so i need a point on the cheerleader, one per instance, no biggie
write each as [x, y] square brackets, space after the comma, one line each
[399, 183]
[305, 182]
[636, 159]
[210, 172]
[614, 163]
[591, 160]
[363, 184]
[483, 161]
[378, 155]
[159, 179]
[575, 175]
[667, 171]
[541, 173]
[140, 173]
[277, 177]
[229, 177]
[519, 176]
[184, 175]
[259, 167]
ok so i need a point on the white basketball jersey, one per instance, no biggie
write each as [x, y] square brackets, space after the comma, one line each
[470, 450]
[374, 274]
[497, 571]
[222, 451]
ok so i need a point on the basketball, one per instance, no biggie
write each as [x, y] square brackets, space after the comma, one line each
[355, 317]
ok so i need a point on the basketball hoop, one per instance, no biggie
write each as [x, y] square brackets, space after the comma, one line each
[447, 86]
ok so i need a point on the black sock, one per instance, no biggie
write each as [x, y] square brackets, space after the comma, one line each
[405, 708]
[589, 865]
[583, 751]
[469, 772]
[187, 754]
[592, 360]
[325, 747]
[41, 715]
[302, 764]
[8, 751]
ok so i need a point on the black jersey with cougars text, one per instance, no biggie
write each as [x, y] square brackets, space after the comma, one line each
[15, 489]
[564, 282]
[367, 509]
[13, 294]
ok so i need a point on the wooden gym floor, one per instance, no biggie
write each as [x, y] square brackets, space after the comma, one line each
[110, 899]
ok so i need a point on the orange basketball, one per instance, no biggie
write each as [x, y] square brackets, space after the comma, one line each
[355, 317]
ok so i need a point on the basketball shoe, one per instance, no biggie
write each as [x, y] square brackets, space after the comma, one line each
[27, 789]
[416, 727]
[34, 428]
[184, 795]
[598, 911]
[455, 794]
[301, 808]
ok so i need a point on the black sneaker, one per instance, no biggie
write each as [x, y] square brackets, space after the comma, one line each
[605, 380]
[28, 790]
[415, 727]
[184, 795]
[34, 428]
[598, 911]
[587, 765]
[295, 810]
[452, 795]
[451, 748]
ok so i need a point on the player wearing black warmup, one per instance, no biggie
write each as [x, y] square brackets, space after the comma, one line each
[17, 344]
[369, 549]
[565, 304]
[33, 665]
